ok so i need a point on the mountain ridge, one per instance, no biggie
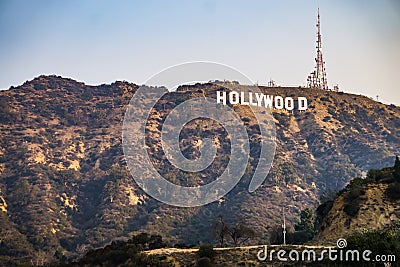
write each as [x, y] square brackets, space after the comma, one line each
[66, 187]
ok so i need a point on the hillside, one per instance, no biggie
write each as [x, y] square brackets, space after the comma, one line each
[368, 204]
[65, 188]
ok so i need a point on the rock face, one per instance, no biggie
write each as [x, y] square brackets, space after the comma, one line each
[65, 187]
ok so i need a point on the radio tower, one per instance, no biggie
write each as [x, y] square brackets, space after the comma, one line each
[317, 78]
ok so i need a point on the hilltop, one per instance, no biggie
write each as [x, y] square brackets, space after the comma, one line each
[65, 187]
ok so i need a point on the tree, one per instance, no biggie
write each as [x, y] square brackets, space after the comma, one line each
[393, 191]
[240, 233]
[220, 230]
[396, 172]
[306, 221]
[305, 229]
[206, 251]
[381, 242]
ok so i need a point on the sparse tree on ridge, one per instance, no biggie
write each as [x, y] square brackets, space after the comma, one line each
[220, 230]
[396, 171]
[240, 233]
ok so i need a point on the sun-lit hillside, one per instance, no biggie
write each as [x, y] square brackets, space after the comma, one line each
[65, 187]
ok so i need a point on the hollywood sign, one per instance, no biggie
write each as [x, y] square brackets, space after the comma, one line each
[261, 100]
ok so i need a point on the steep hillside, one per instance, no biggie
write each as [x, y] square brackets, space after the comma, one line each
[65, 187]
[368, 204]
[376, 212]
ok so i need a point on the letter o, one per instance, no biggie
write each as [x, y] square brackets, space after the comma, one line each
[231, 100]
[289, 103]
[278, 102]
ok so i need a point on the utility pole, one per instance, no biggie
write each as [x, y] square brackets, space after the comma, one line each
[284, 226]
[317, 78]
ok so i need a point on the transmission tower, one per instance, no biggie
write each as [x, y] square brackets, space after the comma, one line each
[317, 78]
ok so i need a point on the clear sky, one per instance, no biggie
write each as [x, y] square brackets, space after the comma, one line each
[97, 41]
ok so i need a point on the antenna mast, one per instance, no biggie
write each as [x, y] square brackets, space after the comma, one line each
[317, 78]
[284, 226]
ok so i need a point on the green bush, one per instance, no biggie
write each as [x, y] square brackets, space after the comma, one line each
[396, 169]
[39, 86]
[382, 175]
[393, 191]
[119, 252]
[204, 262]
[356, 184]
[299, 237]
[355, 192]
[206, 251]
[380, 242]
[351, 209]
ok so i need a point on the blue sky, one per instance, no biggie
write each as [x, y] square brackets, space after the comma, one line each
[103, 41]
